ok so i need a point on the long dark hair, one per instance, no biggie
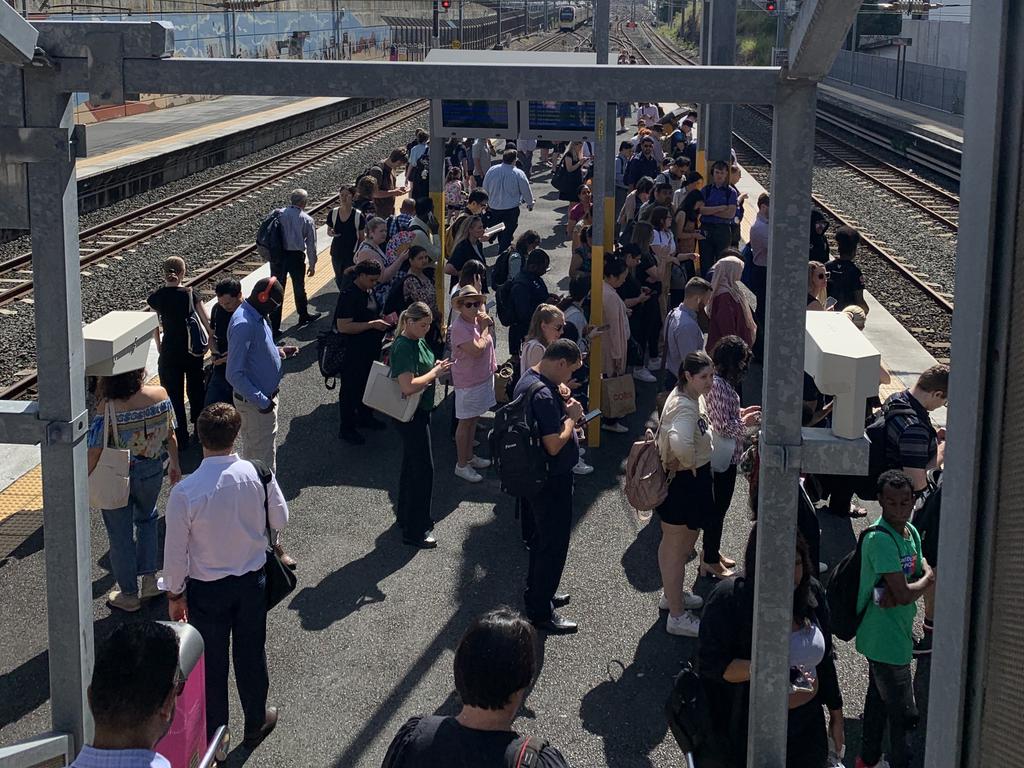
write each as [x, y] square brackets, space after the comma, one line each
[689, 203]
[804, 601]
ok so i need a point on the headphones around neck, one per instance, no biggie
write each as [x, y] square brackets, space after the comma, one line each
[264, 295]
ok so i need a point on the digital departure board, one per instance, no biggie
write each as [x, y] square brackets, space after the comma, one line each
[476, 118]
[562, 120]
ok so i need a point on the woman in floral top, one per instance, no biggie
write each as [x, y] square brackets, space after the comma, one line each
[731, 357]
[144, 426]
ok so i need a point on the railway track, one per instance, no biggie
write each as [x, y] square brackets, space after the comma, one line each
[929, 322]
[130, 230]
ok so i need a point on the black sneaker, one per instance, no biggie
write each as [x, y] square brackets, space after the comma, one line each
[351, 436]
[309, 319]
[923, 645]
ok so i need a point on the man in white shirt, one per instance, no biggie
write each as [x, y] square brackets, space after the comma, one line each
[132, 697]
[214, 554]
[507, 188]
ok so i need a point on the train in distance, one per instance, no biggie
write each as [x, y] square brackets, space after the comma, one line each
[572, 17]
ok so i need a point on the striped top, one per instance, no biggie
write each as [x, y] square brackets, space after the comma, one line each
[143, 431]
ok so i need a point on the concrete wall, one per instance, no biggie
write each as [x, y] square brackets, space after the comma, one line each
[937, 43]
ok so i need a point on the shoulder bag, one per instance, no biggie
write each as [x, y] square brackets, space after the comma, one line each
[280, 579]
[198, 338]
[384, 394]
[109, 482]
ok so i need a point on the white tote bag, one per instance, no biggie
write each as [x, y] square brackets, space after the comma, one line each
[384, 394]
[109, 483]
[722, 448]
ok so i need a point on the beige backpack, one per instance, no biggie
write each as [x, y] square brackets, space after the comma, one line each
[646, 480]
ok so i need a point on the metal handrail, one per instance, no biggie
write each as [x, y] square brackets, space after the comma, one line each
[211, 752]
[38, 751]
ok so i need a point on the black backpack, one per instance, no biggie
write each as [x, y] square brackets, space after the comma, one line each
[516, 450]
[503, 303]
[688, 712]
[330, 356]
[843, 589]
[395, 301]
[269, 234]
[878, 453]
[524, 752]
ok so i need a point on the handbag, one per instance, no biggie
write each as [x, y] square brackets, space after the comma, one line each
[198, 338]
[722, 449]
[503, 382]
[281, 580]
[109, 481]
[558, 178]
[384, 394]
[330, 356]
[618, 396]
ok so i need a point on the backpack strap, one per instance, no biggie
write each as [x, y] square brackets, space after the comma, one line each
[524, 752]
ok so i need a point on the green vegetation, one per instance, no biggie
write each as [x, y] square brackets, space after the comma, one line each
[755, 34]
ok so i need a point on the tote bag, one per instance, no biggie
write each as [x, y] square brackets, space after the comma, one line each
[384, 394]
[722, 448]
[109, 479]
[618, 396]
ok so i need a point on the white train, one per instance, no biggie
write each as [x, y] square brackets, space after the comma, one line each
[571, 17]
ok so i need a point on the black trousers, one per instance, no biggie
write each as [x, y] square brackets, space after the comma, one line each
[177, 377]
[645, 326]
[351, 410]
[722, 484]
[416, 482]
[806, 737]
[233, 612]
[550, 513]
[291, 264]
[719, 237]
[510, 216]
[890, 700]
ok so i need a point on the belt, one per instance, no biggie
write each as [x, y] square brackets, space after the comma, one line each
[241, 399]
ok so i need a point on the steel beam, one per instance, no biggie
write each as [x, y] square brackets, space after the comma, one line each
[412, 80]
[601, 26]
[990, 224]
[792, 135]
[139, 39]
[818, 34]
[17, 37]
[721, 52]
[53, 214]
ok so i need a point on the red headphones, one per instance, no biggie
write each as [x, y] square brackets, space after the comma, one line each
[264, 295]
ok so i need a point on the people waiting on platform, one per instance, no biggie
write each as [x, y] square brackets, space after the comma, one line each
[720, 203]
[298, 236]
[229, 298]
[473, 366]
[730, 310]
[383, 172]
[682, 333]
[527, 292]
[345, 228]
[139, 418]
[845, 280]
[816, 294]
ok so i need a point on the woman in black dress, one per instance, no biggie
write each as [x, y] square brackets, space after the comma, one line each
[572, 162]
[345, 227]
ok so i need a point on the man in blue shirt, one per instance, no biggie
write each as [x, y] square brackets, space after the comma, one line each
[298, 234]
[682, 332]
[720, 201]
[550, 511]
[507, 188]
[642, 164]
[132, 696]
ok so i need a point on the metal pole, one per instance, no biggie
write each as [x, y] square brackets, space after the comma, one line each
[722, 51]
[436, 188]
[780, 29]
[53, 216]
[792, 133]
[497, 37]
[462, 31]
[602, 17]
[703, 107]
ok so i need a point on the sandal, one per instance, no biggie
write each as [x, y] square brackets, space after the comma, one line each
[857, 512]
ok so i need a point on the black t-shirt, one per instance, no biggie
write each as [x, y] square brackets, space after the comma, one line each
[465, 252]
[173, 307]
[630, 289]
[356, 304]
[219, 319]
[549, 412]
[647, 261]
[429, 742]
[844, 280]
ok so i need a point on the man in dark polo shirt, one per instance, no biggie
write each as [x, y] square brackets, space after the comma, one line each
[720, 201]
[550, 510]
[845, 281]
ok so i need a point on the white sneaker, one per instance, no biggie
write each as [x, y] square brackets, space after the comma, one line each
[642, 374]
[691, 602]
[617, 427]
[582, 468]
[477, 463]
[686, 625]
[583, 451]
[468, 474]
[654, 364]
[822, 567]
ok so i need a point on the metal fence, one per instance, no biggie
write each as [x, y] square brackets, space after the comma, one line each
[936, 87]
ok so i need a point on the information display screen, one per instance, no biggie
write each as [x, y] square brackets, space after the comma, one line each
[561, 116]
[475, 114]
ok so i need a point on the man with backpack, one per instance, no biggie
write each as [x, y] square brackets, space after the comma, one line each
[384, 174]
[893, 576]
[519, 298]
[495, 665]
[554, 419]
[298, 237]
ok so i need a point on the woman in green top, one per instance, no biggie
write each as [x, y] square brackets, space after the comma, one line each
[413, 364]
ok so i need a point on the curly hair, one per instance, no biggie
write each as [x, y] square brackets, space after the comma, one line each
[122, 386]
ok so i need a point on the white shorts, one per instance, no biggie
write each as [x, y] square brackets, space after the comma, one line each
[471, 402]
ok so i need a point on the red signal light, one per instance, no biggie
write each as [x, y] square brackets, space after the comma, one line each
[446, 4]
[770, 7]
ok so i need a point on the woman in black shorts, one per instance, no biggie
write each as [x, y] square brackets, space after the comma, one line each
[684, 441]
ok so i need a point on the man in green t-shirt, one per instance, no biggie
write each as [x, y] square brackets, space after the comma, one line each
[893, 575]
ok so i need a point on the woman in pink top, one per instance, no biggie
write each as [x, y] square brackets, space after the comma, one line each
[730, 311]
[472, 345]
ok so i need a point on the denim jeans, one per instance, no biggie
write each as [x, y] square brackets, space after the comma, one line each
[890, 700]
[132, 528]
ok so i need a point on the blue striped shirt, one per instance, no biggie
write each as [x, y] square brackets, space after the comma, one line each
[90, 757]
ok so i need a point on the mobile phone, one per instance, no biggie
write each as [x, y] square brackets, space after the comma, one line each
[800, 681]
[589, 417]
[830, 302]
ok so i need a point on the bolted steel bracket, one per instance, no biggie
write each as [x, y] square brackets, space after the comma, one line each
[40, 145]
[67, 432]
[783, 457]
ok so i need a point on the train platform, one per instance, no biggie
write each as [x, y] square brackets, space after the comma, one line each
[367, 638]
[129, 155]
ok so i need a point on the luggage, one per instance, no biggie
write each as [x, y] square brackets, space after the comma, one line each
[843, 589]
[618, 396]
[646, 480]
[384, 394]
[516, 450]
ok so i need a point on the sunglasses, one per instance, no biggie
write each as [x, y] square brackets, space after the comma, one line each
[819, 275]
[471, 304]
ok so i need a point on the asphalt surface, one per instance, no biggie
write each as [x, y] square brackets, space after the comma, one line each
[368, 637]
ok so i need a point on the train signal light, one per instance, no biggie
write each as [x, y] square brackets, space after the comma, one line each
[446, 4]
[770, 7]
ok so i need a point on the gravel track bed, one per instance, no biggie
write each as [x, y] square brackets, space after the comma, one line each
[124, 283]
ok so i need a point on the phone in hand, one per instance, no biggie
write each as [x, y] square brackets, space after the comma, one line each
[800, 681]
[589, 417]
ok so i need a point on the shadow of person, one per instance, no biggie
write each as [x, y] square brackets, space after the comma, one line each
[640, 560]
[357, 583]
[627, 708]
